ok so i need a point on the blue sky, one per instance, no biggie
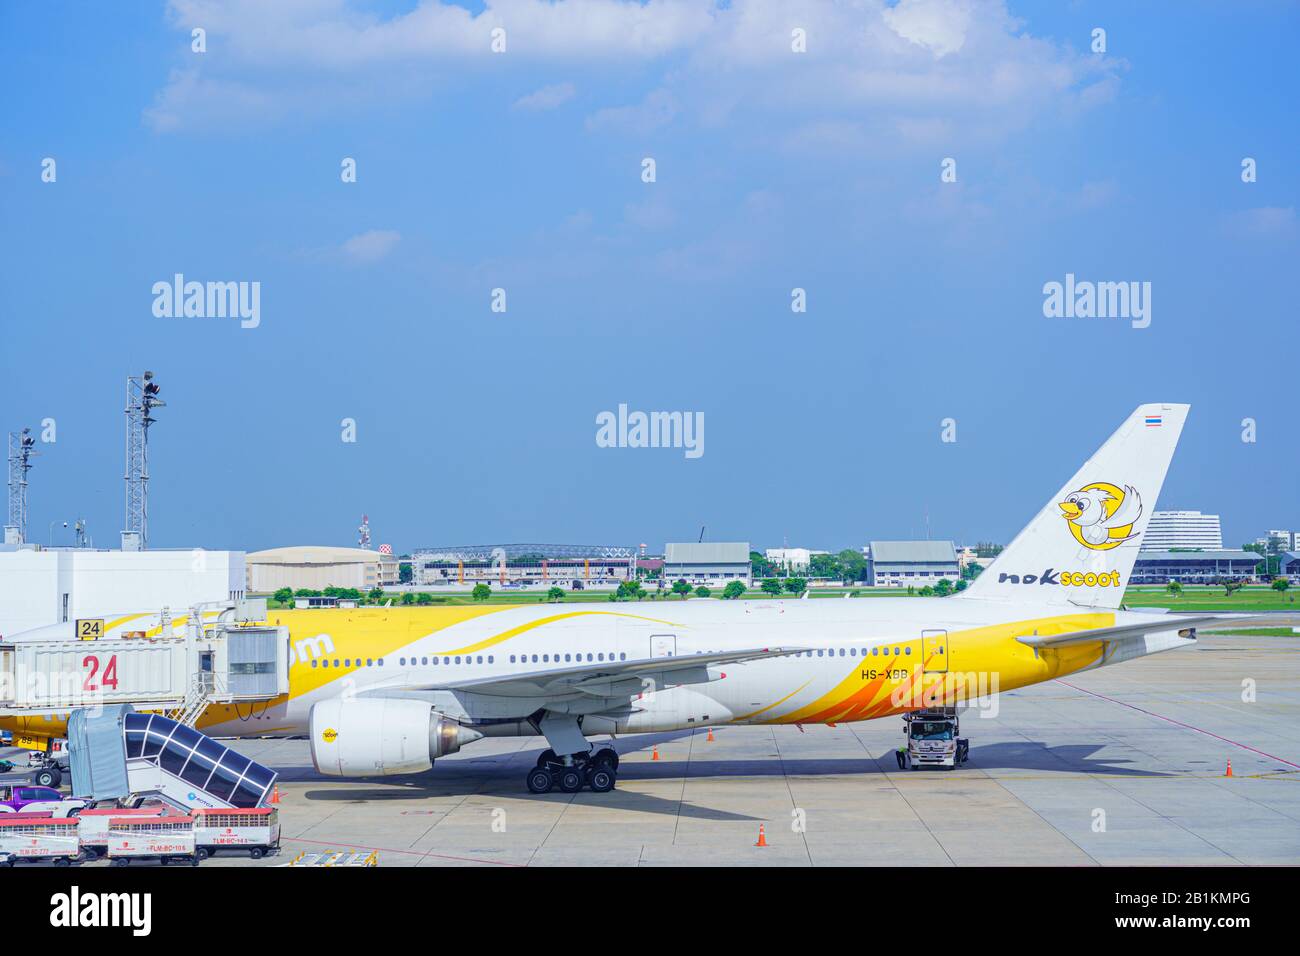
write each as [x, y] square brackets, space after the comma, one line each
[522, 170]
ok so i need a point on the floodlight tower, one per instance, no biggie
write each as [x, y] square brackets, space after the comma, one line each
[20, 455]
[141, 399]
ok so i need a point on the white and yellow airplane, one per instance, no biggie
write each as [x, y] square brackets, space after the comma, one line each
[388, 690]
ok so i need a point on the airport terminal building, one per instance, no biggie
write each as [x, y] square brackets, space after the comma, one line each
[1182, 529]
[43, 586]
[573, 567]
[1194, 567]
[314, 568]
[901, 564]
[708, 562]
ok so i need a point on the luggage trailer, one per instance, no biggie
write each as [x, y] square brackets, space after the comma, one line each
[254, 829]
[168, 839]
[94, 826]
[38, 838]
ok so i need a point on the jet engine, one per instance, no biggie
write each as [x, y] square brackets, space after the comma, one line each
[379, 737]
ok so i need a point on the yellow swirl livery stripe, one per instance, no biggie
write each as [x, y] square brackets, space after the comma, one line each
[530, 625]
[775, 703]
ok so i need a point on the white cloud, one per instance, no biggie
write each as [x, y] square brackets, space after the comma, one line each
[655, 111]
[371, 246]
[653, 213]
[1264, 222]
[547, 98]
[938, 25]
[336, 34]
[922, 68]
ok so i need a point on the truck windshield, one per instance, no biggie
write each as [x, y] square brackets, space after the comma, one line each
[931, 730]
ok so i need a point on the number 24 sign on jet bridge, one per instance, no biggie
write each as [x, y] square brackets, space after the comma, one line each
[109, 677]
[90, 628]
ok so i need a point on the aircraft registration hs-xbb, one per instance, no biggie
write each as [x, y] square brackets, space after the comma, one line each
[384, 691]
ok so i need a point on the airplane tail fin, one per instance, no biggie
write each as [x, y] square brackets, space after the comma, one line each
[1080, 547]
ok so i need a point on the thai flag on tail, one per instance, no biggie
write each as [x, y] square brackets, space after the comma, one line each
[1154, 421]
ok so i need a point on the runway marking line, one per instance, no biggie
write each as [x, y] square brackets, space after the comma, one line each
[382, 849]
[1179, 723]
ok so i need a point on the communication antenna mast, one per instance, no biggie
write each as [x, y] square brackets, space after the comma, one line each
[20, 455]
[82, 538]
[364, 531]
[141, 399]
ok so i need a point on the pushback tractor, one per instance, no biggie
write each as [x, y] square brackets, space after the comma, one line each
[933, 740]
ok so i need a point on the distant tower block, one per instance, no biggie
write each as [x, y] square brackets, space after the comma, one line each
[364, 532]
[20, 455]
[141, 399]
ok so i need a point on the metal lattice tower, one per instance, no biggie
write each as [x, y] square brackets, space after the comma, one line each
[20, 455]
[141, 399]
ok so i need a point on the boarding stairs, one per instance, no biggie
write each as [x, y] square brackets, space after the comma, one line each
[195, 702]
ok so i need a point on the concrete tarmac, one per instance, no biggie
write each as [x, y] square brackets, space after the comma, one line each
[1119, 766]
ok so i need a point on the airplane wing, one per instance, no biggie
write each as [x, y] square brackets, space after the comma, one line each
[1186, 627]
[608, 679]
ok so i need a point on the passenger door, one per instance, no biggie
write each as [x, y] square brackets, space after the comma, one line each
[934, 651]
[663, 645]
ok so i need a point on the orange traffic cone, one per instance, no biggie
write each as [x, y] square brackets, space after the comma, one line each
[275, 794]
[1229, 772]
[710, 737]
[762, 837]
[655, 755]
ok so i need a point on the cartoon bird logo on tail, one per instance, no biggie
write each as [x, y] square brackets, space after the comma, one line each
[1101, 515]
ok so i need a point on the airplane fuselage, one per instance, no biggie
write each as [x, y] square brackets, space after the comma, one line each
[860, 658]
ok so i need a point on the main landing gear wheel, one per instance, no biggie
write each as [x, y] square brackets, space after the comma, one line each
[540, 780]
[606, 757]
[571, 780]
[547, 757]
[48, 777]
[601, 779]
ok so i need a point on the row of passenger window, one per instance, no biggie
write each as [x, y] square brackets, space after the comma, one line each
[348, 662]
[853, 652]
[568, 658]
[599, 657]
[516, 659]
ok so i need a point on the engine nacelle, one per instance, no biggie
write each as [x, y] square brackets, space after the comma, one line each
[379, 737]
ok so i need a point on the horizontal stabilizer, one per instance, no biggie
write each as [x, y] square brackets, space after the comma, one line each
[1186, 627]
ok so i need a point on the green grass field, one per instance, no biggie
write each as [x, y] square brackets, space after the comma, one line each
[1211, 598]
[1194, 598]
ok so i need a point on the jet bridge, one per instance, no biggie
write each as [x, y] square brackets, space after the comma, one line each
[153, 661]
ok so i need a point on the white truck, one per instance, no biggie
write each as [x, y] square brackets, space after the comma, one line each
[933, 740]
